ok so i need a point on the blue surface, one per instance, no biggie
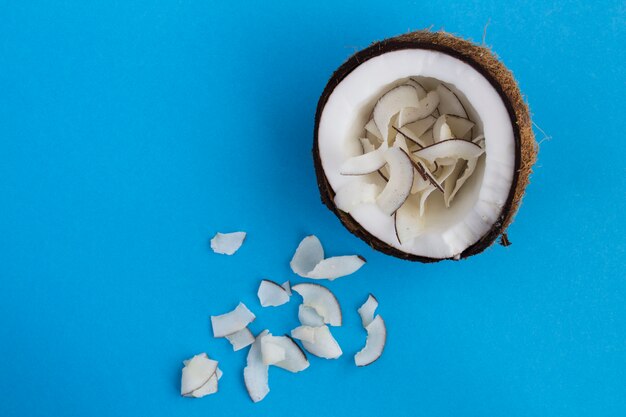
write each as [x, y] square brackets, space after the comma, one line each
[130, 132]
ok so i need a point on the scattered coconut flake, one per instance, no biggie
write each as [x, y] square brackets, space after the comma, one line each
[305, 333]
[272, 294]
[197, 373]
[419, 127]
[255, 374]
[366, 145]
[308, 261]
[325, 345]
[367, 310]
[227, 243]
[240, 339]
[293, 358]
[374, 344]
[308, 254]
[469, 170]
[232, 321]
[287, 286]
[322, 300]
[271, 352]
[354, 194]
[308, 316]
[400, 182]
[336, 267]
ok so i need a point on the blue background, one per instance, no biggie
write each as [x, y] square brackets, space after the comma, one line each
[130, 132]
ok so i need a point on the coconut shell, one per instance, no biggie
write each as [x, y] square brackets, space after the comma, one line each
[486, 63]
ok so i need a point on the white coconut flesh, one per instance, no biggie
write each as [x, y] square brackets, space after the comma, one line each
[255, 374]
[308, 316]
[367, 310]
[240, 339]
[305, 333]
[374, 344]
[322, 300]
[272, 294]
[287, 286]
[323, 345]
[473, 130]
[227, 243]
[308, 261]
[283, 352]
[199, 376]
[232, 321]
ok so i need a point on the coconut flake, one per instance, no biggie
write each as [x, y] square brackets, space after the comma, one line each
[232, 321]
[227, 243]
[240, 339]
[366, 163]
[196, 374]
[390, 104]
[293, 358]
[423, 109]
[469, 170]
[308, 261]
[325, 345]
[366, 145]
[355, 193]
[371, 128]
[308, 316]
[400, 182]
[367, 310]
[272, 294]
[308, 254]
[374, 344]
[449, 103]
[419, 127]
[305, 333]
[270, 351]
[460, 126]
[255, 374]
[336, 267]
[441, 129]
[287, 286]
[451, 148]
[322, 300]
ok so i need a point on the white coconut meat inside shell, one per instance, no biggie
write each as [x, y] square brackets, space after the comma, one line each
[463, 92]
[272, 294]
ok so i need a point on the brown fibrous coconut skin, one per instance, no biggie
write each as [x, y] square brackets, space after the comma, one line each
[486, 63]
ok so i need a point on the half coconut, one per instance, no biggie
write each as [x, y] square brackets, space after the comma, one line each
[424, 146]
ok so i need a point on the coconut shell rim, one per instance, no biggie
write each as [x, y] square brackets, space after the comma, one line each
[497, 74]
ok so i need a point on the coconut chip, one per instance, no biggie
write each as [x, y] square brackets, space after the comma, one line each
[232, 321]
[324, 345]
[199, 376]
[367, 310]
[374, 344]
[308, 261]
[240, 339]
[255, 374]
[322, 300]
[227, 243]
[272, 294]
